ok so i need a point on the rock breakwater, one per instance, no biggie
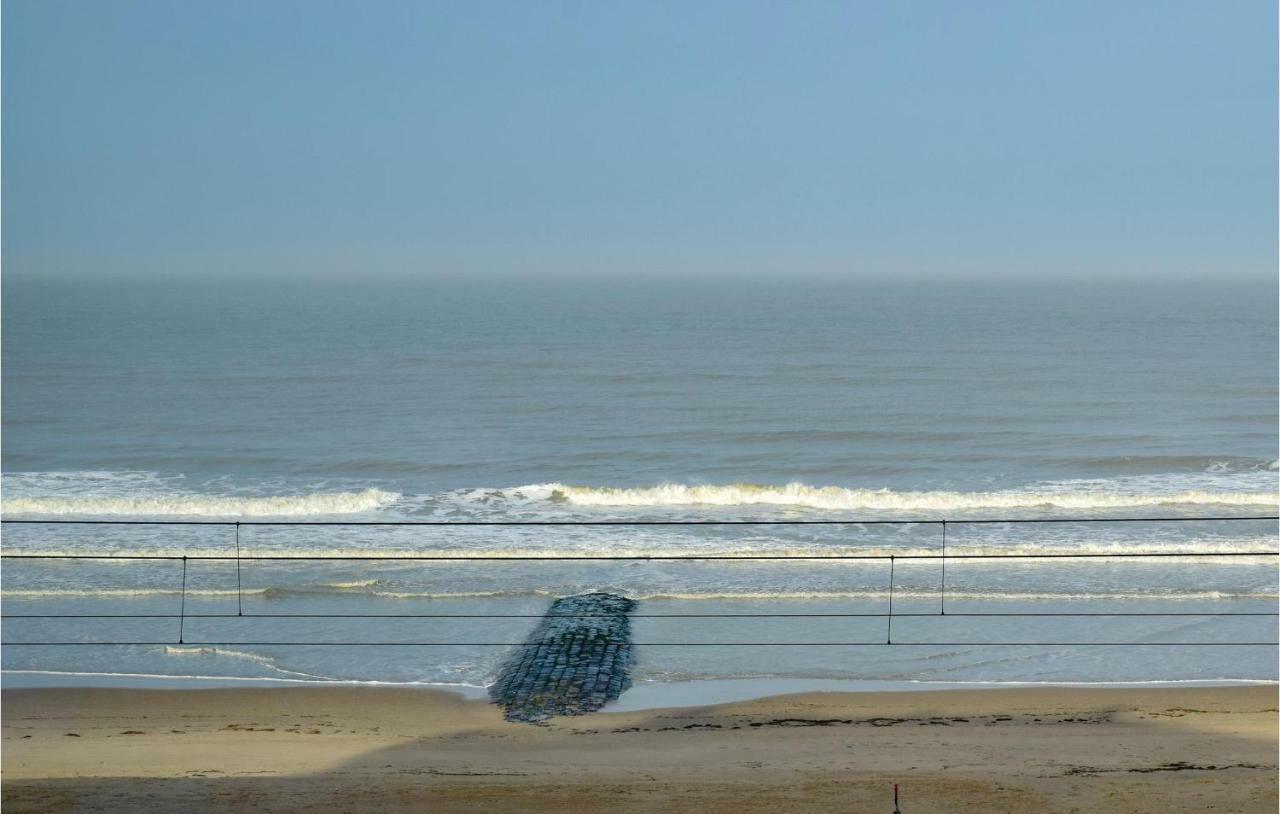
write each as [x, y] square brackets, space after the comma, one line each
[575, 661]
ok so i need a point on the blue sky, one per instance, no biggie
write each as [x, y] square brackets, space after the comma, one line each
[1011, 138]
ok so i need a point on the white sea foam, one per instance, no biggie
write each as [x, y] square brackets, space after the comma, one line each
[656, 679]
[200, 505]
[715, 595]
[239, 655]
[199, 650]
[1251, 550]
[840, 498]
[149, 494]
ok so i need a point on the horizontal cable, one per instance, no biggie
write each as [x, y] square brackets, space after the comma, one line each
[896, 615]
[636, 522]
[172, 643]
[632, 557]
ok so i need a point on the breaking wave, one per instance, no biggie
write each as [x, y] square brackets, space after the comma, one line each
[193, 505]
[835, 497]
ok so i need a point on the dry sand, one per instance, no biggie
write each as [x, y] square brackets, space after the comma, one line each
[358, 750]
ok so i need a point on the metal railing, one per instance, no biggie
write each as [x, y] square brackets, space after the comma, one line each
[943, 555]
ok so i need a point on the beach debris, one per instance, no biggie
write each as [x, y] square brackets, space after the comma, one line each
[575, 661]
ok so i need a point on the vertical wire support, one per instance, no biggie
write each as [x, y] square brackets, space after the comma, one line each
[944, 568]
[889, 632]
[182, 608]
[240, 591]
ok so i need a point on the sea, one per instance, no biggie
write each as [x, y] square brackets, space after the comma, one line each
[1124, 411]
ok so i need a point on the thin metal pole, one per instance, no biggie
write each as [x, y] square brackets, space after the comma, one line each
[889, 632]
[239, 591]
[182, 607]
[944, 568]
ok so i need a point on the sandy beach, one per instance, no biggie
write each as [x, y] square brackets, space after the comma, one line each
[382, 749]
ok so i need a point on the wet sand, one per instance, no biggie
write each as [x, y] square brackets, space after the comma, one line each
[382, 749]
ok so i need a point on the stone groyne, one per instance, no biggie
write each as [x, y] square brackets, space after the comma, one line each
[575, 661]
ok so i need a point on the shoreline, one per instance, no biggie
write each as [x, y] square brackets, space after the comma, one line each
[290, 748]
[643, 695]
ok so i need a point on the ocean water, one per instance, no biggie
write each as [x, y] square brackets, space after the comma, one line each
[715, 399]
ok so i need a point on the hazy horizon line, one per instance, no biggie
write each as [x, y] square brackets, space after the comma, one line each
[296, 270]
